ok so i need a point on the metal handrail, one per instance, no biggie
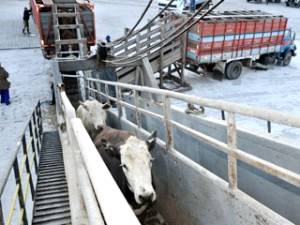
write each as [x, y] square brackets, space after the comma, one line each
[230, 148]
[31, 147]
[250, 111]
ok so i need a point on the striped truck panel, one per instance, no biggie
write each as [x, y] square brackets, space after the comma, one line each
[212, 57]
[218, 27]
[212, 41]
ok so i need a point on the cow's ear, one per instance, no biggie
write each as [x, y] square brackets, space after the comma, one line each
[83, 105]
[151, 141]
[106, 106]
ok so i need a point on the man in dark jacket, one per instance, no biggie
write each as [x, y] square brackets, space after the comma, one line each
[4, 86]
[26, 16]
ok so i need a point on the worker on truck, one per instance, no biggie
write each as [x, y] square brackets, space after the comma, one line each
[4, 86]
[105, 71]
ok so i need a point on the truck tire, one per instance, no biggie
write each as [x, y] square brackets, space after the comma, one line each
[287, 58]
[233, 70]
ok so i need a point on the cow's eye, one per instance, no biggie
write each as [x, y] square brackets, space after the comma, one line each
[124, 167]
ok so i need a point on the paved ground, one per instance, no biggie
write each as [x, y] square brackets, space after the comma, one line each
[11, 22]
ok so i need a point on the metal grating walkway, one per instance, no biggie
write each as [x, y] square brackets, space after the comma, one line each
[52, 200]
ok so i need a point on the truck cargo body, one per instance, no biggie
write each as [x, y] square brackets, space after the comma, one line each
[42, 14]
[229, 37]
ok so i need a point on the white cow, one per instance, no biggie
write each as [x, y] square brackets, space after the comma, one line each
[93, 116]
[129, 160]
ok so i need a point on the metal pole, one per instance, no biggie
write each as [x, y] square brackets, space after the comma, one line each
[20, 192]
[25, 151]
[223, 114]
[168, 124]
[119, 97]
[269, 126]
[137, 113]
[33, 145]
[231, 142]
[1, 214]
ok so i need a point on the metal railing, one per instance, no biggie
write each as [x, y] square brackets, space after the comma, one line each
[30, 144]
[232, 109]
[97, 186]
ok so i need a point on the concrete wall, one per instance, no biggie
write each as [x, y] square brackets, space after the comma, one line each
[188, 194]
[276, 194]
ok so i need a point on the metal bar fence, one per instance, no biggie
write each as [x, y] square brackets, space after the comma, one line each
[30, 144]
[231, 109]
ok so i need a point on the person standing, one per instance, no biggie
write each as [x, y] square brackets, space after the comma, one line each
[26, 16]
[4, 86]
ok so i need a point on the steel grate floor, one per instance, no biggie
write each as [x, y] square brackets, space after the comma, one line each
[51, 205]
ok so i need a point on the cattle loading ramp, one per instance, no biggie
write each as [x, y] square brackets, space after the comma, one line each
[205, 183]
[52, 199]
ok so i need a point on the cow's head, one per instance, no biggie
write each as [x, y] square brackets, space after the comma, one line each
[93, 114]
[136, 162]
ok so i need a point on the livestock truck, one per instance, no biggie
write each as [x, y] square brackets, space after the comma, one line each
[57, 21]
[224, 42]
[293, 3]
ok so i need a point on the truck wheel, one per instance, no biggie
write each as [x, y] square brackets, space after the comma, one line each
[233, 70]
[287, 58]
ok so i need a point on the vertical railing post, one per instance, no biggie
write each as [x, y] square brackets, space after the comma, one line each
[161, 52]
[85, 84]
[35, 125]
[223, 114]
[106, 92]
[40, 119]
[98, 85]
[20, 192]
[137, 113]
[168, 124]
[119, 97]
[25, 151]
[33, 145]
[231, 142]
[149, 37]
[137, 46]
[1, 214]
[269, 126]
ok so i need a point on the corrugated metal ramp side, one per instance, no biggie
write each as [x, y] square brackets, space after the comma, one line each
[52, 199]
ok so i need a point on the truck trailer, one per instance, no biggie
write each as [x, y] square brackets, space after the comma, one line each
[293, 3]
[58, 22]
[224, 42]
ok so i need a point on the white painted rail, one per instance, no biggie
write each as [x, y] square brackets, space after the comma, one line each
[113, 205]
